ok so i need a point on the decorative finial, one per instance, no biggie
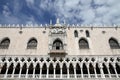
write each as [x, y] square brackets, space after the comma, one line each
[57, 21]
[64, 22]
[50, 22]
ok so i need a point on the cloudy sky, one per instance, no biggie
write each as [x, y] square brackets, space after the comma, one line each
[72, 11]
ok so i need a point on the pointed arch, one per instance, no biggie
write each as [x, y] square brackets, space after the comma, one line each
[51, 69]
[4, 68]
[17, 69]
[30, 71]
[91, 69]
[37, 69]
[32, 43]
[24, 69]
[78, 69]
[114, 43]
[44, 69]
[57, 71]
[4, 44]
[83, 44]
[64, 69]
[85, 69]
[87, 33]
[57, 45]
[76, 33]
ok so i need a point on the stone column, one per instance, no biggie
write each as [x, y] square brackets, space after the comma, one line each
[68, 72]
[75, 72]
[101, 70]
[88, 70]
[6, 72]
[47, 72]
[13, 71]
[54, 73]
[94, 65]
[113, 64]
[60, 72]
[81, 68]
[107, 65]
[34, 72]
[20, 72]
[26, 73]
[40, 73]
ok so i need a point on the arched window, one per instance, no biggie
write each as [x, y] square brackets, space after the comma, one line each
[87, 33]
[32, 44]
[113, 44]
[75, 33]
[83, 44]
[4, 44]
[57, 45]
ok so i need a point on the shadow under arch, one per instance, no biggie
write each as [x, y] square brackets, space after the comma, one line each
[57, 71]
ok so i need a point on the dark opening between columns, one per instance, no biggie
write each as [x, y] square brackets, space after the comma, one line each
[30, 69]
[51, 70]
[4, 68]
[17, 69]
[37, 69]
[44, 69]
[24, 69]
[64, 69]
[57, 71]
[85, 69]
[71, 69]
[78, 70]
[10, 69]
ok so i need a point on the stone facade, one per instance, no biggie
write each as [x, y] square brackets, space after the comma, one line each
[60, 52]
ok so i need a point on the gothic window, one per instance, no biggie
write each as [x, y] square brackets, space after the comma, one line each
[75, 33]
[57, 45]
[4, 44]
[32, 44]
[83, 44]
[114, 44]
[87, 33]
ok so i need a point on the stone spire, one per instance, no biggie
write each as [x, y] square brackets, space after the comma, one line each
[58, 23]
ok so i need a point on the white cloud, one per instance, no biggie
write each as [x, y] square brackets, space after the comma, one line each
[6, 12]
[74, 12]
